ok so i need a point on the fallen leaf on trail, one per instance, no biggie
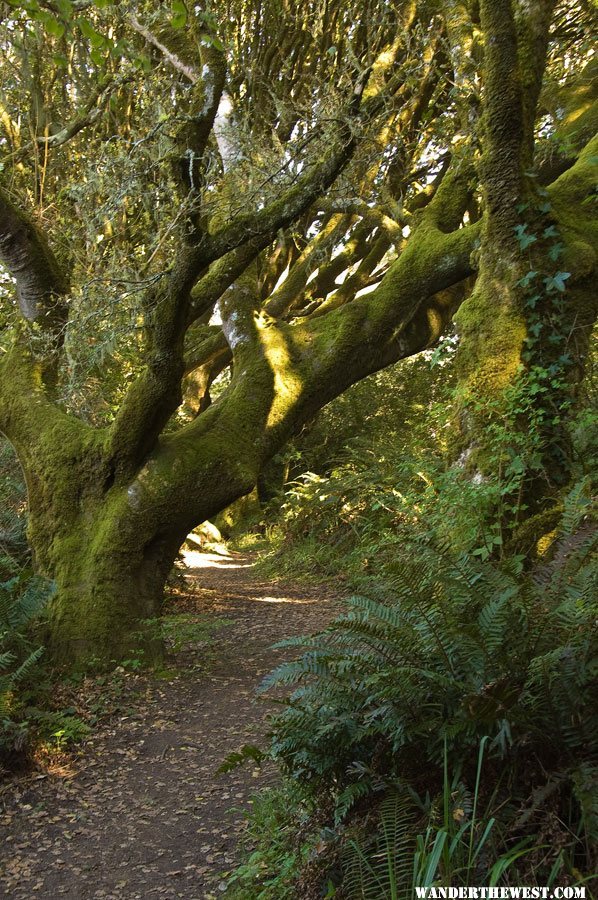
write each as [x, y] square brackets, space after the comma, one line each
[139, 824]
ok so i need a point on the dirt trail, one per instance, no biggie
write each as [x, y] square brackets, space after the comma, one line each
[145, 814]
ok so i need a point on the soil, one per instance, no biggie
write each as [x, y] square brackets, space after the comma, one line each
[141, 810]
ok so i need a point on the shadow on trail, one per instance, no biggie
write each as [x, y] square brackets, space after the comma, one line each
[145, 814]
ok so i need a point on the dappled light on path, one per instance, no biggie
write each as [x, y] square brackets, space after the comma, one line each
[194, 559]
[145, 812]
[282, 600]
[197, 560]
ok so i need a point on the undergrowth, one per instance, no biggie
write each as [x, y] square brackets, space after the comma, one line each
[45, 712]
[22, 598]
[471, 695]
[447, 723]
[281, 837]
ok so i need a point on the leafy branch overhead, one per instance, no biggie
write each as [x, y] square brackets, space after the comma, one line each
[265, 205]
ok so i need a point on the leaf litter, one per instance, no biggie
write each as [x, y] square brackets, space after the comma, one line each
[140, 810]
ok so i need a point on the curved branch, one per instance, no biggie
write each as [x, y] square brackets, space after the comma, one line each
[175, 61]
[211, 348]
[24, 250]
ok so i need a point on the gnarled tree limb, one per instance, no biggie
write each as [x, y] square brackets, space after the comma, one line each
[40, 284]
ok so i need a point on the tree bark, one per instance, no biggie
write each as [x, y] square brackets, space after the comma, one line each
[519, 364]
[109, 595]
[110, 506]
[109, 548]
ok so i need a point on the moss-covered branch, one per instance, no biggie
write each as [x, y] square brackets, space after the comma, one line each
[25, 251]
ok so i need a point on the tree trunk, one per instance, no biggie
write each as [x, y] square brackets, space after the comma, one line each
[108, 597]
[108, 543]
[525, 329]
[109, 574]
[272, 479]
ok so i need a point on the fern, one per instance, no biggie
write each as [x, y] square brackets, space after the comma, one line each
[22, 598]
[576, 505]
[383, 870]
[465, 653]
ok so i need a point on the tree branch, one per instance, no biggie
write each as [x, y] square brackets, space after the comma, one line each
[156, 393]
[210, 348]
[24, 250]
[90, 114]
[178, 64]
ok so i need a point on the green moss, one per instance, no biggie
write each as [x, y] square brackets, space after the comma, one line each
[528, 537]
[492, 331]
[234, 516]
[573, 196]
[574, 106]
[105, 593]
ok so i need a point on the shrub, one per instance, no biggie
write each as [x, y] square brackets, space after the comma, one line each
[279, 838]
[465, 653]
[21, 600]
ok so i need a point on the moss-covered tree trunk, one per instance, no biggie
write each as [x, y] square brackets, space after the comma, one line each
[109, 579]
[108, 541]
[492, 322]
[109, 547]
[109, 506]
[525, 329]
[105, 557]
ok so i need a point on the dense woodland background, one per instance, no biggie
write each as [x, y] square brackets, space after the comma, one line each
[325, 276]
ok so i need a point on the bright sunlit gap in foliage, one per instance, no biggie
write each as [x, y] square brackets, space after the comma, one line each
[196, 560]
[301, 602]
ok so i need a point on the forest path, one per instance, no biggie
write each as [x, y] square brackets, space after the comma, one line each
[143, 812]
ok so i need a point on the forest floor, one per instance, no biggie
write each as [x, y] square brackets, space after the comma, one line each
[140, 810]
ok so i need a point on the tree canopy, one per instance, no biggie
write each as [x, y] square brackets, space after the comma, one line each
[267, 202]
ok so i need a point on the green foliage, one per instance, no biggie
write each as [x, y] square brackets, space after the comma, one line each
[277, 854]
[537, 404]
[404, 406]
[248, 752]
[379, 472]
[383, 871]
[375, 500]
[392, 689]
[444, 653]
[379, 466]
[447, 845]
[522, 432]
[25, 710]
[58, 728]
[22, 598]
